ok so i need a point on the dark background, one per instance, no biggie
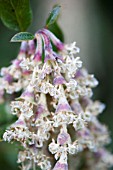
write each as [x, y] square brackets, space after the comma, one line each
[90, 24]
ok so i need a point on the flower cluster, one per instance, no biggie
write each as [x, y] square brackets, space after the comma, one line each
[56, 117]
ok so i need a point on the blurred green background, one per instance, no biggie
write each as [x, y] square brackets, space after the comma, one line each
[90, 24]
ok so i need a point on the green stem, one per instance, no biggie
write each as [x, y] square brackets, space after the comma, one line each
[34, 166]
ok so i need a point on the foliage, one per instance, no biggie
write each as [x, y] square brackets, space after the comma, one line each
[53, 16]
[16, 14]
[22, 36]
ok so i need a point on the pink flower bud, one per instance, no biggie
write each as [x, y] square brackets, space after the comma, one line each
[31, 45]
[79, 73]
[76, 107]
[41, 111]
[26, 72]
[59, 79]
[16, 63]
[8, 78]
[60, 166]
[20, 123]
[46, 39]
[85, 101]
[24, 47]
[38, 52]
[49, 55]
[54, 39]
[28, 95]
[100, 153]
[63, 138]
[83, 133]
[37, 56]
[63, 106]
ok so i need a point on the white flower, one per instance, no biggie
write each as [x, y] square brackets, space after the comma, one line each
[72, 48]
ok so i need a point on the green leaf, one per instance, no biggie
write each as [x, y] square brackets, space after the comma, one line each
[53, 16]
[43, 52]
[22, 36]
[15, 14]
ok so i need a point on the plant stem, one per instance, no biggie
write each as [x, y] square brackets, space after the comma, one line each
[34, 166]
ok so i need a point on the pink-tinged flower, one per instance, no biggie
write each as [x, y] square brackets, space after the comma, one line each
[16, 63]
[104, 156]
[49, 54]
[100, 133]
[46, 40]
[85, 101]
[63, 137]
[48, 51]
[78, 73]
[76, 107]
[8, 78]
[23, 50]
[100, 153]
[58, 57]
[42, 110]
[86, 79]
[26, 72]
[28, 95]
[20, 123]
[85, 133]
[54, 39]
[63, 106]
[86, 138]
[31, 47]
[23, 47]
[38, 52]
[54, 56]
[60, 166]
[58, 79]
